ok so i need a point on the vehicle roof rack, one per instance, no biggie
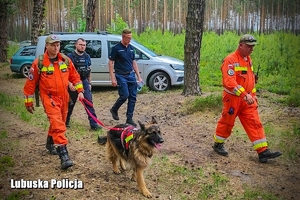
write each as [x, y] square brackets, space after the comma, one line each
[67, 33]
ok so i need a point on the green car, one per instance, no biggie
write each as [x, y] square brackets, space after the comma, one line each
[21, 61]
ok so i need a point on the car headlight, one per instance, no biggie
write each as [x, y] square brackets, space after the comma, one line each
[177, 67]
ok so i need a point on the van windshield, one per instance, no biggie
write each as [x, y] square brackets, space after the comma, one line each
[143, 48]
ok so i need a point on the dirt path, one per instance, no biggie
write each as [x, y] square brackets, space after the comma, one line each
[188, 141]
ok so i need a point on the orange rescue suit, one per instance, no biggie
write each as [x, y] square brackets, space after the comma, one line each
[52, 80]
[238, 81]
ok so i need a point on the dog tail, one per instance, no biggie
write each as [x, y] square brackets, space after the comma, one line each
[102, 139]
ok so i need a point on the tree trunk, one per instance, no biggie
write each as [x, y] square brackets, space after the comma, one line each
[37, 20]
[90, 16]
[5, 6]
[192, 45]
[165, 17]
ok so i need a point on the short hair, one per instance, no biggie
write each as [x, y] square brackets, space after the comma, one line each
[126, 31]
[83, 40]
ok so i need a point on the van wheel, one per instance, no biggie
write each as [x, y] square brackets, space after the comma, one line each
[159, 81]
[25, 70]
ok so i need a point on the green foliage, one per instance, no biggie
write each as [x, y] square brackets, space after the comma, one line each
[117, 25]
[12, 49]
[76, 11]
[144, 90]
[277, 54]
[163, 44]
[16, 105]
[293, 99]
[81, 26]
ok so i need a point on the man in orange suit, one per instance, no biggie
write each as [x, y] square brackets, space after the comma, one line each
[239, 99]
[52, 76]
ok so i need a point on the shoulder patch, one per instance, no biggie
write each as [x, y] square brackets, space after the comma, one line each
[230, 72]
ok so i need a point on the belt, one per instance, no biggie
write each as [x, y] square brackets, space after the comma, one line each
[124, 73]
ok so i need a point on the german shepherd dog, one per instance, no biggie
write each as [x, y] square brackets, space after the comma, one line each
[134, 146]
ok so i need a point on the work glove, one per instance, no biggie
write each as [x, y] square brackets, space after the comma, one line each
[30, 109]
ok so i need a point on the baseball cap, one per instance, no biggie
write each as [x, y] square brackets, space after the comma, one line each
[52, 38]
[248, 39]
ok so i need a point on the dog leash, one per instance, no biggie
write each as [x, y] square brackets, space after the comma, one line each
[83, 101]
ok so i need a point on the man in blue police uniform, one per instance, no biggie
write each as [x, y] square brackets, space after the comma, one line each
[82, 62]
[122, 69]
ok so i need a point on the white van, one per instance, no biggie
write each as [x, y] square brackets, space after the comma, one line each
[158, 72]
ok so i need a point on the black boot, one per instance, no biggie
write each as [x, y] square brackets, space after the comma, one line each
[114, 114]
[50, 146]
[66, 162]
[68, 122]
[131, 122]
[268, 154]
[220, 149]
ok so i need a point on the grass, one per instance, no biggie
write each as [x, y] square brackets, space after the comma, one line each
[251, 194]
[17, 195]
[212, 102]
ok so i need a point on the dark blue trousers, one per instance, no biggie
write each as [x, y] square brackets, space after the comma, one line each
[87, 95]
[127, 88]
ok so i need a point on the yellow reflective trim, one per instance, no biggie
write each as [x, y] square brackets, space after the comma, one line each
[252, 68]
[260, 145]
[79, 85]
[218, 139]
[240, 69]
[238, 93]
[63, 66]
[47, 69]
[253, 90]
[28, 100]
[128, 138]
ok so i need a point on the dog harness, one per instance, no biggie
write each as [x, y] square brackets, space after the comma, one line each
[126, 136]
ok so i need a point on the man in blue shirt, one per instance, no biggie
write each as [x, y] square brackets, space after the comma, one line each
[122, 69]
[82, 63]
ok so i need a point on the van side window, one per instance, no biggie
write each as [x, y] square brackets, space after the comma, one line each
[110, 45]
[139, 55]
[67, 46]
[93, 47]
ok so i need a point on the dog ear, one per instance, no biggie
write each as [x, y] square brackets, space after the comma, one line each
[153, 121]
[141, 125]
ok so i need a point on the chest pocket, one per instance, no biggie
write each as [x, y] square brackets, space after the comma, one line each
[63, 67]
[49, 70]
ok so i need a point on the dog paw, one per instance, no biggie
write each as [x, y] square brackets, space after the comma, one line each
[123, 167]
[147, 194]
[116, 171]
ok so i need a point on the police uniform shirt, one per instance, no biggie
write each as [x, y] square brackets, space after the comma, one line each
[122, 58]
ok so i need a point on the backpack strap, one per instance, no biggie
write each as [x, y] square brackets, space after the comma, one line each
[65, 59]
[40, 62]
